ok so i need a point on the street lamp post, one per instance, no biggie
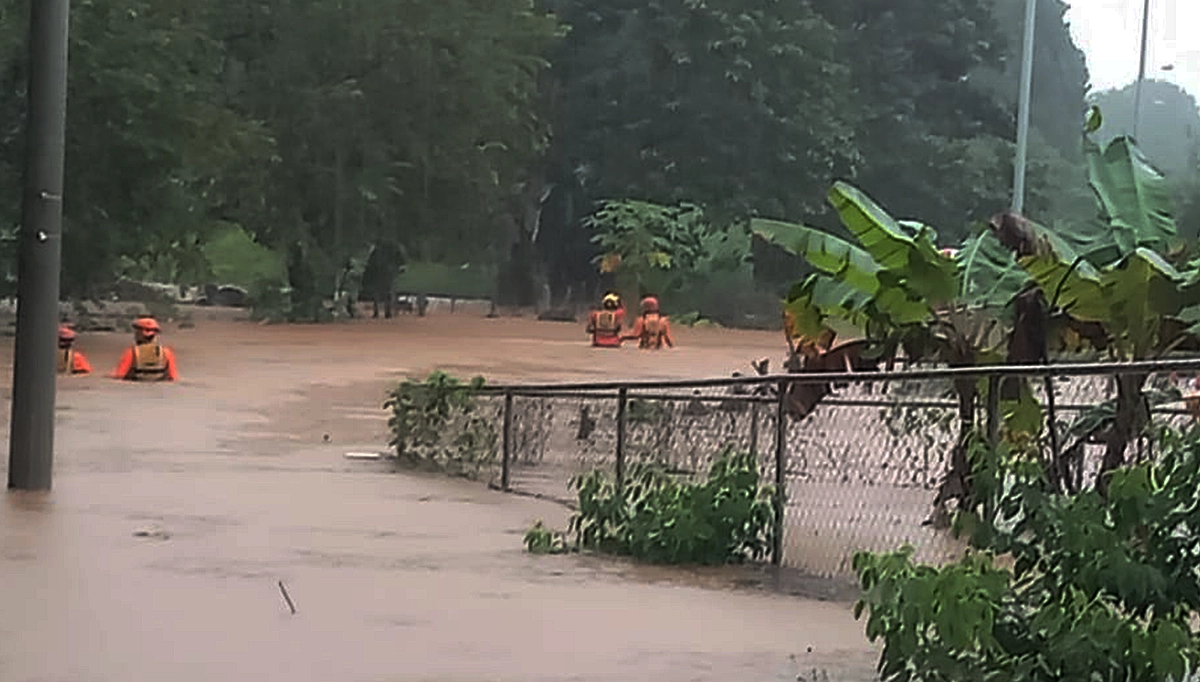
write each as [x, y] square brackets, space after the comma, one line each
[1018, 198]
[1137, 89]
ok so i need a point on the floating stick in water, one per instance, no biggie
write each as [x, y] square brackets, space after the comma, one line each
[286, 598]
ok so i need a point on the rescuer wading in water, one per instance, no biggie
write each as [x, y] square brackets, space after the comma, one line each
[652, 329]
[605, 324]
[147, 359]
[70, 359]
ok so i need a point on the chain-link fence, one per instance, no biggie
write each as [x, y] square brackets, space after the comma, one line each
[860, 472]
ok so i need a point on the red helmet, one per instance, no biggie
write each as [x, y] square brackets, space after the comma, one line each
[146, 324]
[65, 333]
[650, 304]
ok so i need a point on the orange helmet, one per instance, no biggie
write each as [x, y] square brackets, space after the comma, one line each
[650, 304]
[147, 324]
[65, 333]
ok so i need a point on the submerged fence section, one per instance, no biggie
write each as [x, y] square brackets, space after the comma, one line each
[858, 473]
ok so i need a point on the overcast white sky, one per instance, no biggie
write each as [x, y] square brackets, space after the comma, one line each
[1108, 31]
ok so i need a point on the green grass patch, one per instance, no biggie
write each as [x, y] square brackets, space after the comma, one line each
[459, 281]
[235, 258]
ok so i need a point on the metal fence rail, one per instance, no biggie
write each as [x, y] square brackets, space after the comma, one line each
[857, 474]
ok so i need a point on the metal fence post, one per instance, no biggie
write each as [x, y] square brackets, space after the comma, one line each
[754, 429]
[506, 455]
[780, 471]
[622, 402]
[1051, 417]
[993, 410]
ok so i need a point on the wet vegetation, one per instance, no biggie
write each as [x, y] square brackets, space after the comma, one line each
[438, 423]
[1092, 587]
[653, 516]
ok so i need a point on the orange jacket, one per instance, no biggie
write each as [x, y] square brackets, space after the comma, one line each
[79, 362]
[125, 367]
[652, 334]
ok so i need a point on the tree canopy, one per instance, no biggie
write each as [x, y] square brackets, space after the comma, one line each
[488, 133]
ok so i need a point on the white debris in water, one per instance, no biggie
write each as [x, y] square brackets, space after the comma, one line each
[363, 455]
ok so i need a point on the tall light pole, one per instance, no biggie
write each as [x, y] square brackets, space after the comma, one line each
[1018, 198]
[1137, 89]
[31, 433]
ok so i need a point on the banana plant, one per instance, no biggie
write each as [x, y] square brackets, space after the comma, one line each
[1010, 293]
[894, 281]
[1118, 282]
[905, 293]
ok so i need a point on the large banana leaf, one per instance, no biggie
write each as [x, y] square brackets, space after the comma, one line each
[1139, 294]
[1068, 279]
[991, 276]
[926, 271]
[902, 308]
[1135, 200]
[804, 317]
[855, 280]
[811, 302]
[1129, 298]
[824, 251]
[1069, 283]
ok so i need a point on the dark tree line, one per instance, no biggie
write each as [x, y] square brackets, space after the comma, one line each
[465, 131]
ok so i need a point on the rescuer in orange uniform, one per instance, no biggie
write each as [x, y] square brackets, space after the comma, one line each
[652, 329]
[70, 360]
[147, 359]
[605, 324]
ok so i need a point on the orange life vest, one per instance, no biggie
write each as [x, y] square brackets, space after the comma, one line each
[606, 322]
[652, 329]
[149, 362]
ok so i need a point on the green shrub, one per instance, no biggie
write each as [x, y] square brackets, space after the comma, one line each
[542, 540]
[1103, 587]
[654, 517]
[438, 422]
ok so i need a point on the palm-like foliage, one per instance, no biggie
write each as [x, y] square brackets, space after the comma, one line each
[1013, 290]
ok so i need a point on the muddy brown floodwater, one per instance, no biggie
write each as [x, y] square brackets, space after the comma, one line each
[177, 509]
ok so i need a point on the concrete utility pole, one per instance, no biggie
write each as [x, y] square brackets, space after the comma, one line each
[31, 433]
[1137, 89]
[1018, 198]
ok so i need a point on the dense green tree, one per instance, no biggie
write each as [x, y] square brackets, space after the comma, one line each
[741, 106]
[752, 108]
[326, 125]
[150, 147]
[932, 142]
[410, 122]
[738, 104]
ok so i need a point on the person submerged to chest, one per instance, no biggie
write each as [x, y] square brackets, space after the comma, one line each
[605, 324]
[147, 359]
[652, 330]
[71, 360]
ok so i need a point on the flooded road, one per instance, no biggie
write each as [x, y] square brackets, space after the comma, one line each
[178, 509]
